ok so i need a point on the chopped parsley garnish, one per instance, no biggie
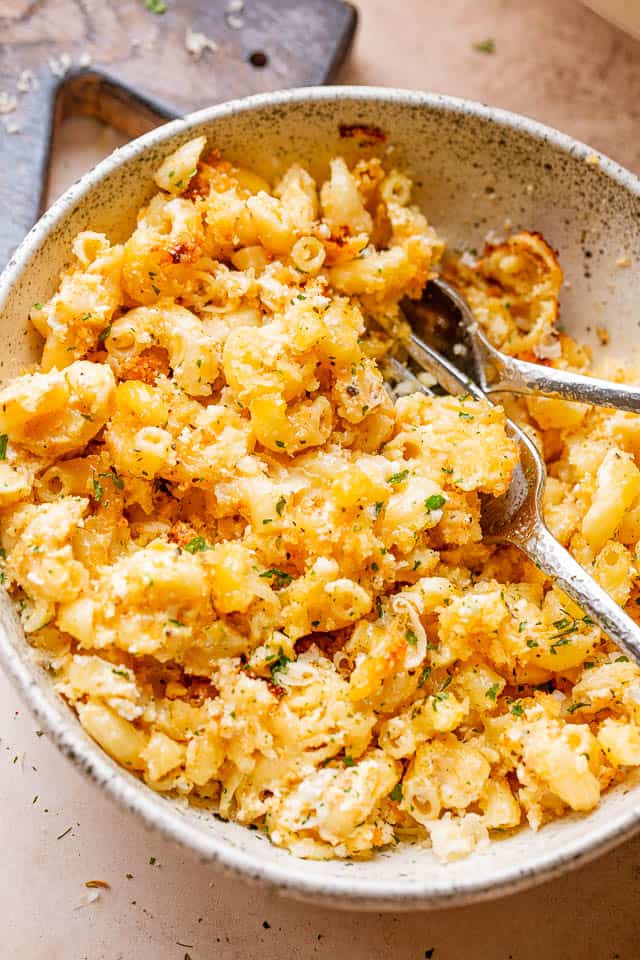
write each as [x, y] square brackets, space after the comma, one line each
[279, 443]
[442, 693]
[522, 626]
[564, 627]
[398, 477]
[621, 659]
[349, 761]
[517, 709]
[176, 623]
[492, 692]
[278, 663]
[424, 676]
[577, 706]
[396, 793]
[280, 505]
[411, 638]
[197, 545]
[465, 416]
[115, 479]
[562, 642]
[4, 440]
[98, 490]
[435, 502]
[485, 46]
[280, 577]
[531, 643]
[104, 333]
[158, 7]
[120, 673]
[378, 507]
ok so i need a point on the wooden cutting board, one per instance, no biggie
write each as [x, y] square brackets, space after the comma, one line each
[120, 61]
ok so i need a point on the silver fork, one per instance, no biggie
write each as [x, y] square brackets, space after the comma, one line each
[444, 319]
[516, 516]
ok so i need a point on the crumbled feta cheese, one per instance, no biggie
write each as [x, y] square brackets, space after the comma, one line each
[26, 81]
[196, 43]
[59, 65]
[8, 102]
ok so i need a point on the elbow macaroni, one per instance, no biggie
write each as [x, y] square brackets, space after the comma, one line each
[258, 579]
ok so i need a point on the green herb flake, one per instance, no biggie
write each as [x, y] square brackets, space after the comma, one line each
[531, 643]
[621, 659]
[517, 709]
[349, 761]
[280, 505]
[435, 502]
[156, 6]
[396, 793]
[104, 333]
[424, 676]
[411, 638]
[577, 706]
[4, 440]
[279, 443]
[197, 545]
[176, 623]
[280, 577]
[492, 692]
[562, 642]
[397, 478]
[115, 479]
[487, 46]
[278, 664]
[98, 490]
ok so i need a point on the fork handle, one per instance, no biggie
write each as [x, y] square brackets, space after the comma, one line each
[520, 376]
[552, 558]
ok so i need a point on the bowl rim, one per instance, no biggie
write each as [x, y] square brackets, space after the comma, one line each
[346, 892]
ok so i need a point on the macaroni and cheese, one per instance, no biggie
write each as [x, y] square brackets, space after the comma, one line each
[257, 577]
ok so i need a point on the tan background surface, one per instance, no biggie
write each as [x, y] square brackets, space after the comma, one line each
[559, 63]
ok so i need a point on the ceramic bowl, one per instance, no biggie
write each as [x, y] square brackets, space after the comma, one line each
[476, 169]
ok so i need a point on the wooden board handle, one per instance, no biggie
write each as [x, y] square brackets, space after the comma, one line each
[142, 71]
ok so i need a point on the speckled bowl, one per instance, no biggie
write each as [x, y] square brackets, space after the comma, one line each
[475, 168]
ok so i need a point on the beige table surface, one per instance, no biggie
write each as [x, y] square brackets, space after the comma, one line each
[559, 63]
